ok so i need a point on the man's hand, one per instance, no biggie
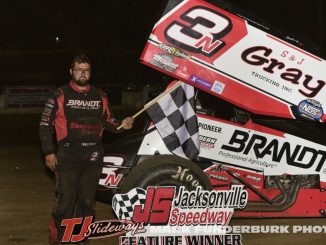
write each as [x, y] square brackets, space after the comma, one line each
[51, 161]
[127, 122]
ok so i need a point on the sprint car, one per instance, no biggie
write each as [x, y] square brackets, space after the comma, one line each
[260, 114]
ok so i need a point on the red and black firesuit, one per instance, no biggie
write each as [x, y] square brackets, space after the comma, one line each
[78, 118]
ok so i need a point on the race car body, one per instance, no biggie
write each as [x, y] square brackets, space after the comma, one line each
[282, 172]
[259, 107]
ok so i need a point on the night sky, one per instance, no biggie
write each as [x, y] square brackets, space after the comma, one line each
[41, 36]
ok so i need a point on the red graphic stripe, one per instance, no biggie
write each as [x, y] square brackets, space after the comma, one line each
[61, 121]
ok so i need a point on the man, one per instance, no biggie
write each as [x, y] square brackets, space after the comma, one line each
[78, 112]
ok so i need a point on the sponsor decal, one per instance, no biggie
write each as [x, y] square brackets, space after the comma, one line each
[88, 143]
[95, 156]
[84, 103]
[78, 229]
[183, 72]
[86, 129]
[266, 79]
[174, 51]
[235, 182]
[84, 126]
[207, 142]
[164, 61]
[250, 160]
[260, 56]
[184, 174]
[208, 127]
[218, 177]
[310, 109]
[218, 87]
[200, 81]
[110, 177]
[201, 31]
[260, 146]
[254, 178]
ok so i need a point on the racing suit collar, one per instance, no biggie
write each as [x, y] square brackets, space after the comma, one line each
[74, 87]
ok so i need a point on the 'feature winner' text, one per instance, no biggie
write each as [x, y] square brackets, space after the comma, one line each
[229, 239]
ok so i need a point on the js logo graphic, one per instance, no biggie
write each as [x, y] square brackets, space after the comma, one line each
[149, 207]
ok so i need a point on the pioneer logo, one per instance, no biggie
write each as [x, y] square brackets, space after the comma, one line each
[84, 103]
[208, 127]
[295, 154]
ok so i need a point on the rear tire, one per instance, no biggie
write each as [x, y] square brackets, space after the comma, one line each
[166, 171]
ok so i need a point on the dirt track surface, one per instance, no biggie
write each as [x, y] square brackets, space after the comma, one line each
[26, 196]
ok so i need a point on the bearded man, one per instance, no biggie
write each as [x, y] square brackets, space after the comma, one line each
[75, 115]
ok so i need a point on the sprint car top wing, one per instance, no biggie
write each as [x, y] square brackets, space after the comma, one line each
[226, 55]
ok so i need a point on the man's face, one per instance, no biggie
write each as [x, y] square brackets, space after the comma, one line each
[81, 73]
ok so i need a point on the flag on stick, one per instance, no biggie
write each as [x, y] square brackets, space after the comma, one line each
[175, 119]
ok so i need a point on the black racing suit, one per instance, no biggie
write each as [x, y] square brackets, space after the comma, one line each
[78, 118]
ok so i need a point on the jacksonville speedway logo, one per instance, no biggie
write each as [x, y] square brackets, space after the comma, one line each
[165, 215]
[178, 216]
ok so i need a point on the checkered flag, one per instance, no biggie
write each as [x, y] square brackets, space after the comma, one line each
[123, 204]
[176, 121]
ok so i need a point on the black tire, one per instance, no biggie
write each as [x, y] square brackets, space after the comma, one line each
[166, 171]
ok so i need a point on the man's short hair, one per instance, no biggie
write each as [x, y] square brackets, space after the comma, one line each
[81, 58]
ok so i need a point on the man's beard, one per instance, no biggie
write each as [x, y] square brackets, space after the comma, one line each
[81, 82]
